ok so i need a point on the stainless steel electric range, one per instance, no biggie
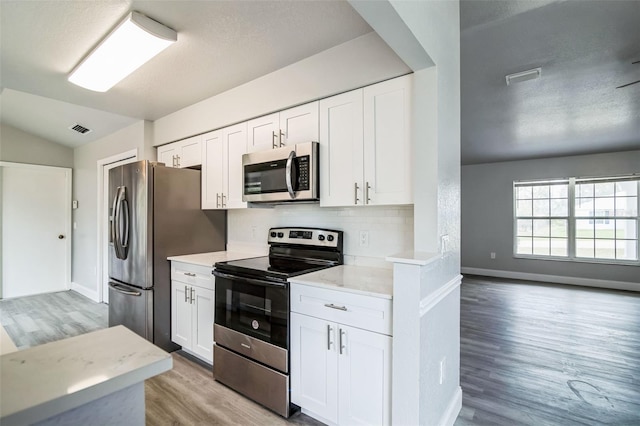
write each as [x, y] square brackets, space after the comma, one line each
[251, 325]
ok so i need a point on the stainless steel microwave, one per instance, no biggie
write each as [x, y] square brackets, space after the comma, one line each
[283, 174]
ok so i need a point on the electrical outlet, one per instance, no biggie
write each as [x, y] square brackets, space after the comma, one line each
[364, 238]
[493, 255]
[443, 365]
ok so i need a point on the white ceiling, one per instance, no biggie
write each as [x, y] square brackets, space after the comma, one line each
[221, 44]
[585, 49]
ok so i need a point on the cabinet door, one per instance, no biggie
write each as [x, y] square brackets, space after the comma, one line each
[212, 170]
[314, 378]
[263, 133]
[341, 144]
[202, 321]
[387, 142]
[299, 124]
[364, 368]
[167, 154]
[191, 152]
[180, 314]
[235, 145]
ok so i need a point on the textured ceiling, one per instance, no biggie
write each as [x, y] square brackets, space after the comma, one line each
[221, 44]
[585, 49]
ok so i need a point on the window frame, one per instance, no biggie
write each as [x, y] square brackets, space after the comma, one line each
[572, 220]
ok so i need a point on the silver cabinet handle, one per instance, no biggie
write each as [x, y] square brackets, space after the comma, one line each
[178, 160]
[281, 138]
[193, 290]
[355, 193]
[366, 194]
[329, 342]
[185, 294]
[217, 200]
[224, 204]
[244, 345]
[341, 345]
[332, 306]
[175, 161]
[190, 274]
[273, 140]
[292, 156]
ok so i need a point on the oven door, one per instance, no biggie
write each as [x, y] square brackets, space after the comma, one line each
[254, 307]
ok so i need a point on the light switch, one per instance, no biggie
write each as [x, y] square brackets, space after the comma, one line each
[74, 204]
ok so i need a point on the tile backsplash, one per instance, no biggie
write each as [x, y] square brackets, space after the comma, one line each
[389, 228]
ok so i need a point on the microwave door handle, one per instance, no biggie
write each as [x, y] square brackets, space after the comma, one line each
[290, 170]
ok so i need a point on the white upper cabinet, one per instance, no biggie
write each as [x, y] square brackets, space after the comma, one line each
[222, 168]
[288, 127]
[365, 146]
[184, 153]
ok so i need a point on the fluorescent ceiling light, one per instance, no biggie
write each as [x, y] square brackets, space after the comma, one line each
[131, 44]
[523, 76]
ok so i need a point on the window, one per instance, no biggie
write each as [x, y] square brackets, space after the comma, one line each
[577, 219]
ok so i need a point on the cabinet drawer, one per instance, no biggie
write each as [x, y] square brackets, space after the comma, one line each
[192, 274]
[365, 312]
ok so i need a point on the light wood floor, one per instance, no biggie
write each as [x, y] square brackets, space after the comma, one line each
[531, 354]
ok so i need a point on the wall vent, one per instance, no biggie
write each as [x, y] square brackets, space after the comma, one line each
[80, 129]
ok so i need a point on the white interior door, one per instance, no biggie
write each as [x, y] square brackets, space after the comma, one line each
[36, 213]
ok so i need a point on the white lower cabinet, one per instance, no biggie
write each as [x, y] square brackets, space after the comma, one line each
[192, 307]
[340, 374]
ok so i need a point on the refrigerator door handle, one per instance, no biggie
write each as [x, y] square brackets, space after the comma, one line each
[116, 224]
[124, 290]
[125, 211]
[112, 217]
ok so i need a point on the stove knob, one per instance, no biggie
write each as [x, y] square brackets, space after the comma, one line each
[273, 235]
[329, 237]
[321, 237]
[280, 234]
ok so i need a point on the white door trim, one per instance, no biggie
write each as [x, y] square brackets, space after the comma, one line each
[68, 177]
[102, 254]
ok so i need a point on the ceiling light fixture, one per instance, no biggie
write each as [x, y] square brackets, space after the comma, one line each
[519, 77]
[132, 43]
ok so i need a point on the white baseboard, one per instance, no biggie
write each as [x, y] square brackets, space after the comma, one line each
[93, 295]
[453, 409]
[558, 279]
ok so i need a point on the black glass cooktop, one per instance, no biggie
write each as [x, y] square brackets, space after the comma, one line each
[267, 266]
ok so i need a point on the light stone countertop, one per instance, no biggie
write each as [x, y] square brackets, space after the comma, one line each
[377, 282]
[209, 259]
[46, 380]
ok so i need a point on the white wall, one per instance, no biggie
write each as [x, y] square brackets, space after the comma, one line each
[356, 63]
[85, 180]
[487, 215]
[390, 228]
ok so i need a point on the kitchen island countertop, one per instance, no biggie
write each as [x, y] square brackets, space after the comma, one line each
[209, 259]
[369, 281]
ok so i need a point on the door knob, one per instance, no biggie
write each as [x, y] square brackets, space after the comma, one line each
[60, 237]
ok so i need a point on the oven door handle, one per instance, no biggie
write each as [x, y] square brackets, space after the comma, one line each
[263, 283]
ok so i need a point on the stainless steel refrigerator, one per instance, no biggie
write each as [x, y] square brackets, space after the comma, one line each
[154, 213]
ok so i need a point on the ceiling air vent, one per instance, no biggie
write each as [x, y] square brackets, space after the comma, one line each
[80, 129]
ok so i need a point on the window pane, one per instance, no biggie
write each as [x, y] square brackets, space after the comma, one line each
[584, 248]
[627, 188]
[541, 191]
[605, 228]
[584, 207]
[524, 192]
[524, 208]
[626, 206]
[541, 246]
[559, 228]
[541, 228]
[584, 190]
[604, 206]
[559, 191]
[524, 246]
[559, 246]
[605, 249]
[584, 228]
[605, 189]
[560, 207]
[525, 227]
[541, 208]
[627, 250]
[626, 229]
